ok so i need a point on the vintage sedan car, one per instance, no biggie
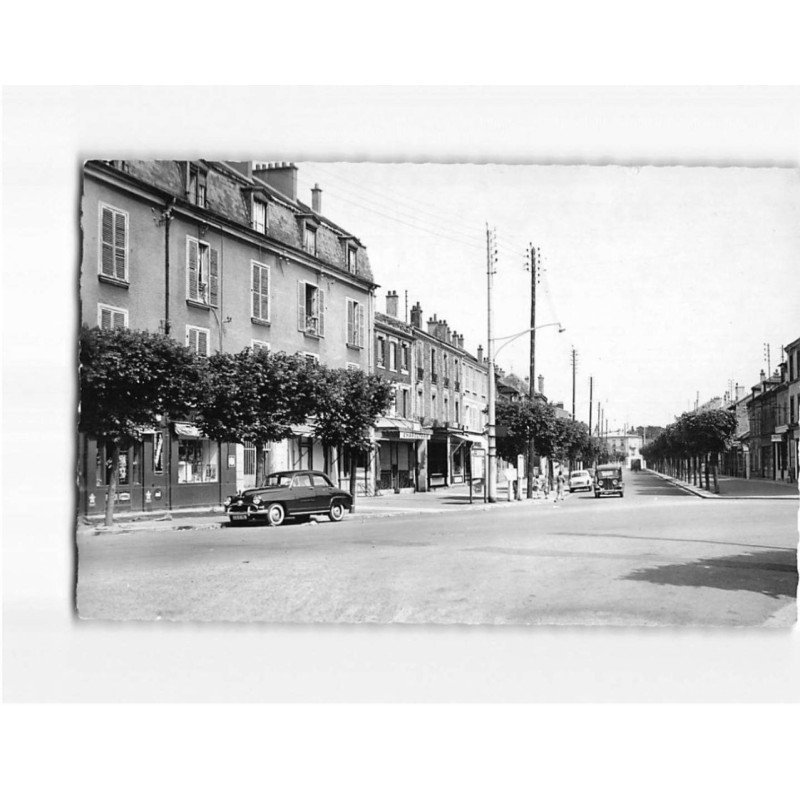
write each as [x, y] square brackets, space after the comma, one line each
[295, 493]
[579, 480]
[608, 480]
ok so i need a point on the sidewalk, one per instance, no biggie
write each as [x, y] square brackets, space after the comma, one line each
[738, 488]
[440, 501]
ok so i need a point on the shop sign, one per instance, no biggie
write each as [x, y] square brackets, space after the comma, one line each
[231, 461]
[157, 494]
[123, 497]
[777, 437]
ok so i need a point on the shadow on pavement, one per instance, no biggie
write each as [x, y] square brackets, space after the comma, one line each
[772, 572]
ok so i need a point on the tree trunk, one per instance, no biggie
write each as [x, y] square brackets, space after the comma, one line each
[714, 469]
[261, 463]
[705, 469]
[529, 470]
[353, 460]
[113, 483]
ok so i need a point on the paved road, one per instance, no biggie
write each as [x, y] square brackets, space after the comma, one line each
[658, 556]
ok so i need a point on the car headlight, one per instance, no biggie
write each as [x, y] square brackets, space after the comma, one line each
[257, 499]
[228, 500]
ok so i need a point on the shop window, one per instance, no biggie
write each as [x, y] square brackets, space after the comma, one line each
[104, 465]
[158, 453]
[197, 461]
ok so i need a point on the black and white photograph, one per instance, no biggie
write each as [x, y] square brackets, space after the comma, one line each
[494, 394]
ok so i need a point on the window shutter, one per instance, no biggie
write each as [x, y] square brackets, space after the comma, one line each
[360, 341]
[192, 254]
[264, 292]
[120, 245]
[105, 318]
[256, 291]
[202, 343]
[301, 305]
[119, 319]
[107, 234]
[213, 278]
[351, 322]
[190, 341]
[321, 312]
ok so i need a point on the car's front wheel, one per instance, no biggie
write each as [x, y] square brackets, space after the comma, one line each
[275, 514]
[336, 512]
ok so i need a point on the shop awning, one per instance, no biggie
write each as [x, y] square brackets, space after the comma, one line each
[302, 430]
[187, 431]
[397, 428]
[464, 437]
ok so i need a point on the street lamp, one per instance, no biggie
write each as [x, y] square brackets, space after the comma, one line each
[491, 485]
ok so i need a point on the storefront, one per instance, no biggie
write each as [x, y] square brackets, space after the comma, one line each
[165, 469]
[449, 456]
[397, 465]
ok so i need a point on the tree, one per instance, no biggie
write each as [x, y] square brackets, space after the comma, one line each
[128, 380]
[348, 404]
[256, 396]
[526, 423]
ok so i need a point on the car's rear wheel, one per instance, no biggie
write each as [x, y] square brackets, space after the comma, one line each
[336, 512]
[275, 515]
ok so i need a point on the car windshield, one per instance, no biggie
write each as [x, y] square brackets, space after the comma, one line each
[579, 474]
[278, 479]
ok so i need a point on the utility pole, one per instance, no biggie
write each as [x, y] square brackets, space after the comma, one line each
[590, 408]
[768, 360]
[491, 478]
[534, 267]
[574, 365]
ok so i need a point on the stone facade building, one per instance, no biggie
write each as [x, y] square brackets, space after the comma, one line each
[221, 256]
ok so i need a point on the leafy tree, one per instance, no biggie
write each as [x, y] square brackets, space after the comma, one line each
[128, 380]
[525, 422]
[348, 403]
[256, 396]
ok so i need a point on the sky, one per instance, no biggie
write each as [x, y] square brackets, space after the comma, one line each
[668, 280]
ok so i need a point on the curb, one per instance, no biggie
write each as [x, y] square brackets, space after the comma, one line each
[704, 494]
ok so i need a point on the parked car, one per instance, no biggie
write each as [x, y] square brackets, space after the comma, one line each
[295, 493]
[580, 480]
[608, 480]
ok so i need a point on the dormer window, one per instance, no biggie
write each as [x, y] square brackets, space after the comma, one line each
[259, 216]
[310, 239]
[196, 185]
[351, 259]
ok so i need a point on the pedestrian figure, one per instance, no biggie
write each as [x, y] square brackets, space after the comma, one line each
[560, 481]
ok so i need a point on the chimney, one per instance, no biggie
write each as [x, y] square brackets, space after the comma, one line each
[443, 331]
[461, 340]
[480, 354]
[316, 204]
[391, 303]
[763, 376]
[280, 175]
[416, 315]
[433, 325]
[540, 382]
[454, 339]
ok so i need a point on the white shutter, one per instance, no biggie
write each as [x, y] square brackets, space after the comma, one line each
[361, 326]
[301, 305]
[192, 278]
[105, 318]
[256, 291]
[191, 339]
[213, 278]
[118, 319]
[264, 292]
[202, 342]
[120, 245]
[351, 323]
[321, 312]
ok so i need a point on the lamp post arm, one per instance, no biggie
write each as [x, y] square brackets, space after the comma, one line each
[508, 339]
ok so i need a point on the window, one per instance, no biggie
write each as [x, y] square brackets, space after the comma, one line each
[311, 358]
[352, 365]
[110, 317]
[351, 260]
[249, 458]
[405, 409]
[197, 340]
[310, 239]
[260, 291]
[197, 461]
[113, 243]
[202, 272]
[257, 344]
[380, 352]
[196, 185]
[355, 323]
[259, 216]
[393, 402]
[310, 309]
[404, 357]
[393, 356]
[321, 480]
